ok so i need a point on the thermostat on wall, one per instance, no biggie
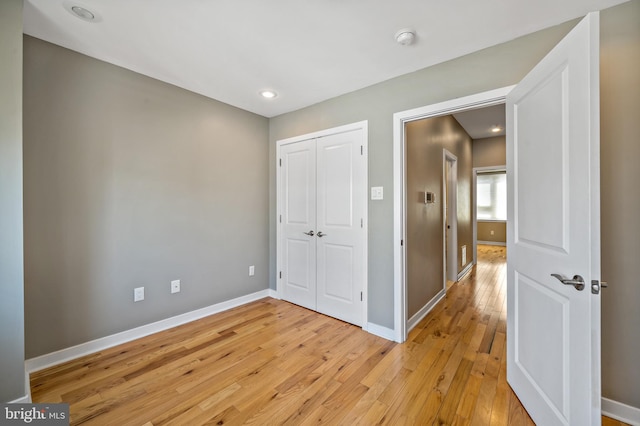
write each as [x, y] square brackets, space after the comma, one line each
[429, 197]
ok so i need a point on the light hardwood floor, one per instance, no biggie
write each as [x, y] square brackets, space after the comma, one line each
[271, 362]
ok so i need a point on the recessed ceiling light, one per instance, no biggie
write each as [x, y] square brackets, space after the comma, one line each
[81, 12]
[268, 94]
[496, 129]
[405, 36]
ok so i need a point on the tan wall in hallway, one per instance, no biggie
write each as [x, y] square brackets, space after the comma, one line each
[425, 140]
[499, 232]
[490, 152]
[620, 200]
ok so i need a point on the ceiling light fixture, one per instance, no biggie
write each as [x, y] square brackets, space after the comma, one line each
[81, 12]
[405, 36]
[496, 129]
[268, 94]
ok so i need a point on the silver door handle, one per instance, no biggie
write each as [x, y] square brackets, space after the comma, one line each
[577, 281]
[310, 233]
[320, 234]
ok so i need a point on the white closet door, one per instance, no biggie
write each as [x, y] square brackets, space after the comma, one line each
[298, 192]
[341, 198]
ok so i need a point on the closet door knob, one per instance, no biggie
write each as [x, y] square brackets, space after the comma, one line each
[320, 234]
[310, 233]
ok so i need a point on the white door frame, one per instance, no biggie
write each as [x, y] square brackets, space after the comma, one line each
[479, 100]
[361, 125]
[449, 215]
[474, 210]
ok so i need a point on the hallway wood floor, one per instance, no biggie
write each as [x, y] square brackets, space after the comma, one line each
[271, 362]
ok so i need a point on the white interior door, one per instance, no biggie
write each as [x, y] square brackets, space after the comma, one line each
[553, 341]
[341, 193]
[298, 220]
[450, 204]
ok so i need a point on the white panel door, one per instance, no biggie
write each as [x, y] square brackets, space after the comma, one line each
[553, 342]
[298, 210]
[341, 192]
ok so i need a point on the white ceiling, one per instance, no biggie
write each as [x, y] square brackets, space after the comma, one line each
[306, 50]
[479, 122]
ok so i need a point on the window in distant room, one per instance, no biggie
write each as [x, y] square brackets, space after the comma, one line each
[491, 196]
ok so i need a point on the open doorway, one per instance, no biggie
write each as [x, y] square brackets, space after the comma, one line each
[450, 224]
[403, 202]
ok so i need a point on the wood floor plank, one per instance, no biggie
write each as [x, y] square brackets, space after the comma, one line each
[271, 362]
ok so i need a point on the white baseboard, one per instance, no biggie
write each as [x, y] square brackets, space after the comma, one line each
[380, 331]
[418, 316]
[465, 271]
[492, 243]
[54, 358]
[273, 294]
[27, 384]
[22, 400]
[622, 412]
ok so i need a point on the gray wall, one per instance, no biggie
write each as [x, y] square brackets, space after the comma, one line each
[620, 200]
[487, 69]
[425, 140]
[133, 182]
[12, 378]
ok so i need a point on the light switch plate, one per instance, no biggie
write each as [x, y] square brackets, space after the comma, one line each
[138, 294]
[377, 193]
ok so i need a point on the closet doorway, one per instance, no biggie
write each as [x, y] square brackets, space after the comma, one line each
[322, 234]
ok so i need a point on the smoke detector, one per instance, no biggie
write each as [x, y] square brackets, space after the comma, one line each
[405, 36]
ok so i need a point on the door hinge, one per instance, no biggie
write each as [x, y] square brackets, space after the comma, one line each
[361, 149]
[280, 218]
[280, 274]
[401, 242]
[361, 223]
[361, 296]
[280, 162]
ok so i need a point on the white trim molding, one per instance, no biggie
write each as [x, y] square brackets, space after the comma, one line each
[479, 100]
[418, 316]
[58, 357]
[465, 271]
[492, 243]
[22, 400]
[622, 412]
[380, 331]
